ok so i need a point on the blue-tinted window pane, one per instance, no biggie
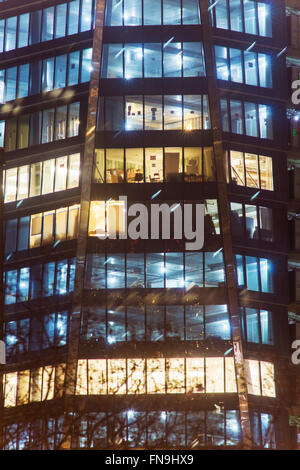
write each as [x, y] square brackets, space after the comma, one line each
[251, 68]
[1, 35]
[172, 60]
[190, 12]
[73, 17]
[252, 273]
[60, 71]
[61, 328]
[23, 30]
[134, 113]
[116, 325]
[10, 33]
[48, 330]
[174, 270]
[11, 286]
[132, 12]
[135, 270]
[24, 330]
[86, 15]
[224, 115]
[171, 12]
[193, 269]
[113, 15]
[173, 112]
[114, 113]
[10, 235]
[11, 82]
[175, 322]
[95, 273]
[23, 80]
[48, 126]
[153, 112]
[2, 133]
[61, 277]
[86, 66]
[48, 23]
[11, 337]
[2, 86]
[36, 281]
[250, 17]
[266, 324]
[252, 324]
[73, 72]
[135, 324]
[60, 123]
[23, 235]
[48, 74]
[233, 430]
[73, 120]
[35, 27]
[155, 323]
[133, 61]
[112, 62]
[48, 279]
[60, 20]
[152, 60]
[72, 270]
[35, 77]
[96, 324]
[240, 270]
[152, 12]
[214, 269]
